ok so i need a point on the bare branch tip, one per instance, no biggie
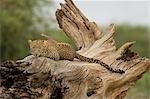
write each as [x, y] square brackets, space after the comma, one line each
[44, 35]
[111, 28]
[61, 4]
[125, 47]
[112, 24]
[129, 44]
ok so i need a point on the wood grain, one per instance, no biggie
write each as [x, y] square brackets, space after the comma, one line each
[44, 78]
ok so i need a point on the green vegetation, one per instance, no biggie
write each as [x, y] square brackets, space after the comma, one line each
[139, 34]
[18, 19]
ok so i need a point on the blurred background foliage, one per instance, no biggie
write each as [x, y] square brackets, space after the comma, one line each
[18, 19]
[21, 20]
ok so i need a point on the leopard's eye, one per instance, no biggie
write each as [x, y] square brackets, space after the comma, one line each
[33, 46]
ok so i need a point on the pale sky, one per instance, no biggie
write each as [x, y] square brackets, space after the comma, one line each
[120, 11]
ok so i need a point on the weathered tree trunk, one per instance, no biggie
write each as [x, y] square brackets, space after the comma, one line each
[44, 78]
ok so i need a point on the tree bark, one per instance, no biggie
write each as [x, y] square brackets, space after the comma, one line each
[44, 78]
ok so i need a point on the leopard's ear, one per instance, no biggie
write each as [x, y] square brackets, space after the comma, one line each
[29, 41]
[50, 39]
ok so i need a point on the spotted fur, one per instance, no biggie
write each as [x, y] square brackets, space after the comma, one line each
[92, 60]
[43, 48]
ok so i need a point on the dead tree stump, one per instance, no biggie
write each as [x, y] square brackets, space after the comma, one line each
[43, 78]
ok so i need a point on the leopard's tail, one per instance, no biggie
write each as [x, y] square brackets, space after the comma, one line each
[92, 60]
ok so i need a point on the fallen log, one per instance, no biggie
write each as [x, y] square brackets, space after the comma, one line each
[44, 78]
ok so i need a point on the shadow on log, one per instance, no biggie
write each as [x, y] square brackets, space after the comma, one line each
[43, 78]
